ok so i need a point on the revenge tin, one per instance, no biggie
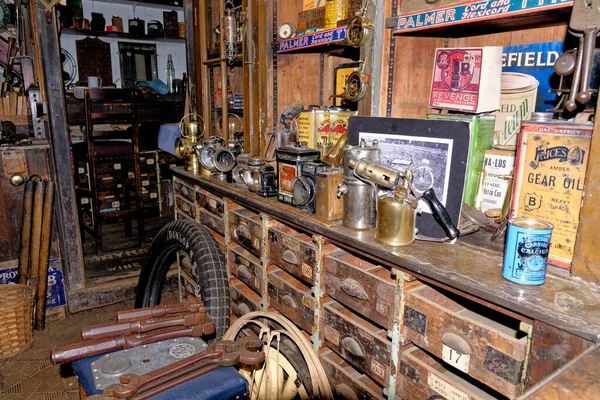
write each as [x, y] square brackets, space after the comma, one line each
[526, 251]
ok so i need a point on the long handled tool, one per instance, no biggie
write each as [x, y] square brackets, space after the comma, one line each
[25, 233]
[36, 228]
[44, 256]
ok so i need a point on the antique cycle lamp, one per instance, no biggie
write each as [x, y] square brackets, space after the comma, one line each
[188, 144]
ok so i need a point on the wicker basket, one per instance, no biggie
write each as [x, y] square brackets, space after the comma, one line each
[16, 318]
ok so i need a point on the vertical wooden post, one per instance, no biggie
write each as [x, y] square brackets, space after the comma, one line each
[193, 36]
[48, 52]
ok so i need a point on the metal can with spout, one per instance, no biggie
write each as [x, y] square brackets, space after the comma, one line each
[396, 219]
[526, 251]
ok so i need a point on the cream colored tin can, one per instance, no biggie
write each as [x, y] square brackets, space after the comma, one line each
[517, 102]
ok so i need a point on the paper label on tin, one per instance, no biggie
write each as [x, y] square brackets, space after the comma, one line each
[150, 161]
[145, 183]
[85, 200]
[117, 166]
[81, 170]
[286, 174]
[153, 195]
[115, 204]
[495, 164]
[456, 359]
[445, 389]
[527, 255]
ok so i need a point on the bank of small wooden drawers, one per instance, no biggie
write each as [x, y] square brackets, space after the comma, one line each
[449, 349]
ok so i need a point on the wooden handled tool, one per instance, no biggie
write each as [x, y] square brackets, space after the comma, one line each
[44, 256]
[25, 234]
[36, 228]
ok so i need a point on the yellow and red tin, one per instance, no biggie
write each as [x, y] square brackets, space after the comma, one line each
[313, 127]
[335, 10]
[526, 251]
[338, 123]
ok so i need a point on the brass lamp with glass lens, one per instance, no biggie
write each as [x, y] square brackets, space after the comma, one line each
[188, 145]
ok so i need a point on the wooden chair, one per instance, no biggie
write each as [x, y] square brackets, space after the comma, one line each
[114, 153]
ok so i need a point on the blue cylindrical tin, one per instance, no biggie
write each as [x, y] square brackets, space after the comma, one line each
[526, 251]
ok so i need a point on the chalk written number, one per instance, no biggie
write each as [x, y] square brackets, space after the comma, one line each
[456, 359]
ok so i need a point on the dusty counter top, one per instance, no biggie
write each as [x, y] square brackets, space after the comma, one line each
[567, 303]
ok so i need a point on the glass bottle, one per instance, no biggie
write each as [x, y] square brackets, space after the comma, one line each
[170, 73]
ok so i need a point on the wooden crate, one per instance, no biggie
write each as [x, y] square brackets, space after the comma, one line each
[423, 377]
[212, 221]
[210, 202]
[184, 189]
[293, 251]
[247, 268]
[243, 299]
[358, 341]
[292, 298]
[246, 230]
[184, 206]
[364, 287]
[346, 382]
[465, 336]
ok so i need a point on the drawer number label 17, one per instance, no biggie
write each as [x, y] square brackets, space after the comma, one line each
[456, 359]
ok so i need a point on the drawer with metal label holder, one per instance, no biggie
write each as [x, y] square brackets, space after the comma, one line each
[292, 298]
[210, 202]
[184, 189]
[358, 341]
[243, 299]
[366, 288]
[186, 207]
[246, 230]
[247, 268]
[479, 341]
[346, 382]
[212, 221]
[293, 251]
[423, 377]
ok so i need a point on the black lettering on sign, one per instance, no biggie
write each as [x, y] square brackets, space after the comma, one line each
[503, 365]
[417, 321]
[409, 371]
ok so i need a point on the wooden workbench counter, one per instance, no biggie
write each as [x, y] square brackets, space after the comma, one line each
[570, 304]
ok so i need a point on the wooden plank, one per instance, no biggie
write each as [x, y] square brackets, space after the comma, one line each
[586, 261]
[66, 205]
[550, 350]
[577, 380]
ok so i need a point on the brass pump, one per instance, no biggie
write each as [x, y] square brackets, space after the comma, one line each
[335, 156]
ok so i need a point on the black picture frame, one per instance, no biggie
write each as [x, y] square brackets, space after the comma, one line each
[449, 139]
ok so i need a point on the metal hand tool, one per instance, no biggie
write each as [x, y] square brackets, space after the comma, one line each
[227, 353]
[90, 348]
[157, 311]
[103, 331]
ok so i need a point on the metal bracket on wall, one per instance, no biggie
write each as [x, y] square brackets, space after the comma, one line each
[38, 110]
[322, 81]
[274, 24]
[388, 106]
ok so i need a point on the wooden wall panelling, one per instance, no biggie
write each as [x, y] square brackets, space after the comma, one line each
[550, 350]
[586, 261]
[523, 36]
[413, 66]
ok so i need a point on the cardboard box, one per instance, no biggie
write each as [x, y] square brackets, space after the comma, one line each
[467, 79]
[495, 163]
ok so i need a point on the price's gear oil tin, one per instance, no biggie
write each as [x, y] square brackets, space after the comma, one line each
[526, 251]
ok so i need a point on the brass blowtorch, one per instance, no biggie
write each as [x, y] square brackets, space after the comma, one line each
[396, 214]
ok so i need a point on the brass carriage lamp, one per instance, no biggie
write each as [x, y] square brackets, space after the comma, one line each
[188, 145]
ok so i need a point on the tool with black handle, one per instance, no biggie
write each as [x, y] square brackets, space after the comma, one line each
[390, 178]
